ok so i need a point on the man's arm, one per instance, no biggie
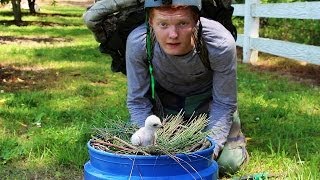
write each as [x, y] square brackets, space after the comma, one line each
[224, 102]
[224, 92]
[138, 77]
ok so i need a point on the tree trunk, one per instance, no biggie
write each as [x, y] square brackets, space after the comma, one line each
[31, 4]
[16, 8]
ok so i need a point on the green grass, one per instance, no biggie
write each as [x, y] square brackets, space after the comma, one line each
[281, 118]
[68, 88]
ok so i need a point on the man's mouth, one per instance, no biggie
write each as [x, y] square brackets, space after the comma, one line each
[173, 45]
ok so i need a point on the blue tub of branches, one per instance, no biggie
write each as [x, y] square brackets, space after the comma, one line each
[111, 160]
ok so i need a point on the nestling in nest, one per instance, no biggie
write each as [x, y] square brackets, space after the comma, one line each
[176, 136]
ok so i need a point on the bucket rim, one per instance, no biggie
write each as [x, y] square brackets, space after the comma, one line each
[208, 150]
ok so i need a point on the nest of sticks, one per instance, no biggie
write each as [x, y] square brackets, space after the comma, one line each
[176, 136]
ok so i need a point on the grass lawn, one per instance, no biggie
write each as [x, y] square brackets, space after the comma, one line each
[56, 86]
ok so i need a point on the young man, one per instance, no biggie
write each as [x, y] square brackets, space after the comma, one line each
[182, 80]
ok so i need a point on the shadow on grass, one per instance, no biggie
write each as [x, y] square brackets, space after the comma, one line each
[10, 14]
[47, 172]
[28, 40]
[15, 79]
[295, 70]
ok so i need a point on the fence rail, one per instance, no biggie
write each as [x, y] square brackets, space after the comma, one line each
[252, 10]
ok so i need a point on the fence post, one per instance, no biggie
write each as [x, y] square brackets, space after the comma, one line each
[251, 30]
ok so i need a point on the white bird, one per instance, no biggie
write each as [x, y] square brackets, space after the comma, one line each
[147, 135]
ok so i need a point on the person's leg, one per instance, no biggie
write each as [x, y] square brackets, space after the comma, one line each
[234, 153]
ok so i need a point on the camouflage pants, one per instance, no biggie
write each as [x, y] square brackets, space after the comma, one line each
[234, 153]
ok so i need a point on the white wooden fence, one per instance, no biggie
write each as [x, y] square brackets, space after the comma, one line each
[251, 43]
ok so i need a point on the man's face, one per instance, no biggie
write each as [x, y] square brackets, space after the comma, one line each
[173, 29]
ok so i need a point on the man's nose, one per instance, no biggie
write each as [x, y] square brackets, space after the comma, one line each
[173, 32]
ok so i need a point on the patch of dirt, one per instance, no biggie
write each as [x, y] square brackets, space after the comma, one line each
[83, 3]
[34, 23]
[31, 40]
[17, 78]
[80, 3]
[307, 74]
[295, 70]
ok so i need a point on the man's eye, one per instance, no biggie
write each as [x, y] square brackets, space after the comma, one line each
[183, 24]
[163, 24]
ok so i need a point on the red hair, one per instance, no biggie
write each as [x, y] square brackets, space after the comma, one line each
[193, 10]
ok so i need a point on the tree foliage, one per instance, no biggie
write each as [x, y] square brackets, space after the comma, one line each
[4, 1]
[293, 30]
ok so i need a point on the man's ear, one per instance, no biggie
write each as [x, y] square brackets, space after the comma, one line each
[150, 22]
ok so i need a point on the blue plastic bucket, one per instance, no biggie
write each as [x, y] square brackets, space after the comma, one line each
[105, 165]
